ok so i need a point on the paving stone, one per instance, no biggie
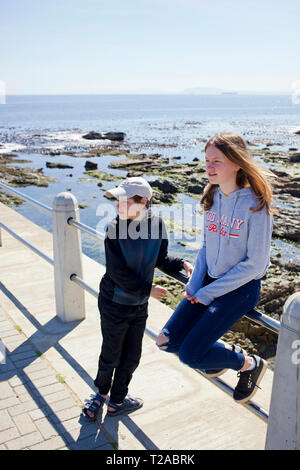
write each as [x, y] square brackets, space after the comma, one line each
[21, 364]
[12, 341]
[6, 390]
[62, 405]
[38, 374]
[24, 397]
[73, 423]
[25, 441]
[23, 408]
[46, 428]
[8, 402]
[42, 382]
[5, 326]
[9, 434]
[20, 389]
[19, 356]
[55, 443]
[24, 424]
[58, 387]
[36, 414]
[15, 344]
[17, 380]
[91, 442]
[5, 376]
[63, 415]
[84, 432]
[38, 364]
[57, 396]
[23, 347]
[8, 366]
[9, 333]
[5, 420]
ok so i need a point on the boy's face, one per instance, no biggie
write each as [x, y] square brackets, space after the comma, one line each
[129, 209]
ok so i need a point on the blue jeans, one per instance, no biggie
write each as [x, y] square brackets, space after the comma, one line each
[194, 329]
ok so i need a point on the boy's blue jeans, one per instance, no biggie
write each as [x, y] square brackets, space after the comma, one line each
[193, 330]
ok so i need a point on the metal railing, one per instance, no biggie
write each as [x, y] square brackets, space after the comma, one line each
[254, 315]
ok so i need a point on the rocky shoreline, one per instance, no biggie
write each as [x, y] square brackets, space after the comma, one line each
[169, 177]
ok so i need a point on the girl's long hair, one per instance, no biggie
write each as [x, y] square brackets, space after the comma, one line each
[250, 173]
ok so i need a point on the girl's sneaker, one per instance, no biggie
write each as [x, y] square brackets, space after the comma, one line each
[217, 372]
[249, 381]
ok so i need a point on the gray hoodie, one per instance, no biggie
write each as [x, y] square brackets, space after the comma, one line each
[236, 245]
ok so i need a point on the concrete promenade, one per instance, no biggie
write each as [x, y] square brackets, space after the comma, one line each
[50, 367]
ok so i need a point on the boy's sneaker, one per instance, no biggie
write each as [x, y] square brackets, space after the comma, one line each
[217, 372]
[128, 406]
[249, 381]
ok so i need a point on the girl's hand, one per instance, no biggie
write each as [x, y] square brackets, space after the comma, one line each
[158, 292]
[191, 298]
[188, 268]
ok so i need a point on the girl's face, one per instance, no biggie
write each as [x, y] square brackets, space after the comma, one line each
[220, 170]
[129, 209]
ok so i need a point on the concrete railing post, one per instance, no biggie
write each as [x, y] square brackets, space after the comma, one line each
[284, 418]
[70, 300]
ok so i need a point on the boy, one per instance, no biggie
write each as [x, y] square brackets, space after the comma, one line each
[135, 243]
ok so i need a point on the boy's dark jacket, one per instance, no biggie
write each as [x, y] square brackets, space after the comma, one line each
[133, 249]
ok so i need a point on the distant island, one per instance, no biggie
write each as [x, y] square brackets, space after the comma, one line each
[203, 91]
[208, 91]
[220, 91]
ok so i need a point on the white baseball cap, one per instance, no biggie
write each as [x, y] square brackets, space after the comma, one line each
[134, 186]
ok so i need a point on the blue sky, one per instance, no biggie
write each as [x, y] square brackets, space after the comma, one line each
[128, 46]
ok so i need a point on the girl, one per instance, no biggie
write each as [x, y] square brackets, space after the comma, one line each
[234, 256]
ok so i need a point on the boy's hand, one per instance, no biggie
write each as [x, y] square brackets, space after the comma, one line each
[158, 292]
[189, 268]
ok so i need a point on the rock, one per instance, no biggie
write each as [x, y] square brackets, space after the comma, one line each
[115, 136]
[295, 192]
[92, 136]
[15, 176]
[130, 174]
[165, 198]
[195, 188]
[57, 165]
[102, 175]
[287, 225]
[165, 186]
[295, 158]
[118, 136]
[90, 166]
[297, 132]
[128, 162]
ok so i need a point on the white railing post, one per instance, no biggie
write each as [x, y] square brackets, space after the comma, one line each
[283, 431]
[70, 300]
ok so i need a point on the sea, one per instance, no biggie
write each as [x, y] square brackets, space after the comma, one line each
[173, 126]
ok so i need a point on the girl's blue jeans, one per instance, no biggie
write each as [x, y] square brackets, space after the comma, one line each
[193, 330]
